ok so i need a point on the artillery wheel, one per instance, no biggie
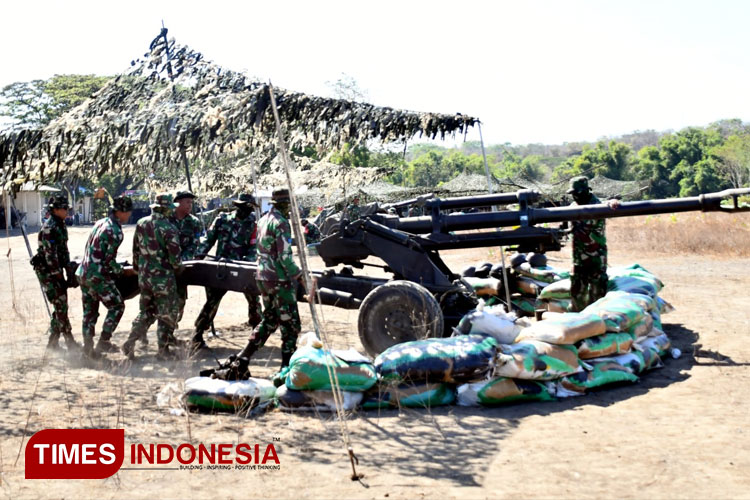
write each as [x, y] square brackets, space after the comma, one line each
[397, 312]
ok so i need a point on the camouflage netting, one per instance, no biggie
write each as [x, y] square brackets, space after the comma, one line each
[143, 122]
[603, 187]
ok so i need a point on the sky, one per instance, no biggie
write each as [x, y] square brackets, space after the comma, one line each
[531, 71]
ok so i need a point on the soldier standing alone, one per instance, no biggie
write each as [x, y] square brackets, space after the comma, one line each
[52, 264]
[97, 274]
[354, 211]
[235, 238]
[156, 257]
[276, 278]
[588, 282]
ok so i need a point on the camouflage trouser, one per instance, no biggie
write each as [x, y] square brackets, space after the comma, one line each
[107, 293]
[213, 299]
[156, 304]
[279, 311]
[57, 294]
[587, 285]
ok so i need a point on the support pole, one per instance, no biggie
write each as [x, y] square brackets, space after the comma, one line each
[489, 188]
[22, 225]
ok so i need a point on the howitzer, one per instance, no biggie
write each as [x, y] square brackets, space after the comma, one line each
[423, 297]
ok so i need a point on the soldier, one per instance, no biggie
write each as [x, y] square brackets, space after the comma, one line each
[235, 238]
[353, 211]
[52, 264]
[156, 257]
[414, 211]
[589, 276]
[97, 274]
[276, 278]
[312, 233]
[190, 230]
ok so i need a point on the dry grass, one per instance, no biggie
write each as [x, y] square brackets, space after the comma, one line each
[712, 234]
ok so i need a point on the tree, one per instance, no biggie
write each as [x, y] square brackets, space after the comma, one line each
[346, 87]
[734, 159]
[357, 156]
[36, 103]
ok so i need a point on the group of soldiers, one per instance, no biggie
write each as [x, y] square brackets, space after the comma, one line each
[162, 242]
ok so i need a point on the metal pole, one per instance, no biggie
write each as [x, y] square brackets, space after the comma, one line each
[489, 188]
[22, 225]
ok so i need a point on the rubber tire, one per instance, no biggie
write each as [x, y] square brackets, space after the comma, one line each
[397, 312]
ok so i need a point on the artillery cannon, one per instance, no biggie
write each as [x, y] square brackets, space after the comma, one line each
[423, 297]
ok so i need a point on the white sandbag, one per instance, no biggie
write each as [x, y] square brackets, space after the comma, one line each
[535, 360]
[564, 329]
[217, 394]
[494, 321]
[292, 400]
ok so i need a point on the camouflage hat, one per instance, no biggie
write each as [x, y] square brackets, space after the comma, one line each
[579, 184]
[59, 201]
[245, 199]
[183, 194]
[163, 200]
[280, 196]
[122, 204]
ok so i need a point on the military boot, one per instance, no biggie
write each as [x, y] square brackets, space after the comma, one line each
[165, 354]
[198, 344]
[71, 343]
[53, 343]
[128, 350]
[105, 346]
[88, 349]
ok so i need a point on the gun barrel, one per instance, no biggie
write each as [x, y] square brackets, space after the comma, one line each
[486, 220]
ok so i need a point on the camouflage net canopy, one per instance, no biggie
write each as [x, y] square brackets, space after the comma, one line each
[146, 121]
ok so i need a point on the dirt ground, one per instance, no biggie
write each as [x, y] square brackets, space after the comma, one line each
[681, 432]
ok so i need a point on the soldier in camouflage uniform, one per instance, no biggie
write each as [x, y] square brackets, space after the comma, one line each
[588, 281]
[52, 263]
[235, 238]
[276, 277]
[97, 274]
[354, 211]
[190, 230]
[312, 233]
[156, 258]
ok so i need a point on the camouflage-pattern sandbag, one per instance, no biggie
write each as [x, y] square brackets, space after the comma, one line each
[528, 286]
[634, 361]
[646, 302]
[599, 375]
[619, 314]
[308, 370]
[464, 358]
[535, 360]
[557, 290]
[292, 400]
[224, 395]
[544, 274]
[409, 396]
[501, 390]
[634, 284]
[663, 306]
[558, 305]
[485, 287]
[604, 345]
[658, 343]
[656, 316]
[651, 358]
[526, 305]
[565, 329]
[643, 327]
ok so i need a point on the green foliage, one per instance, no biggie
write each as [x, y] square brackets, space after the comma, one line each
[734, 159]
[36, 103]
[357, 156]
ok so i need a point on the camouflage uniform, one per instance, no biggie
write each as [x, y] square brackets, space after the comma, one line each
[276, 278]
[414, 211]
[235, 239]
[190, 230]
[97, 274]
[588, 282]
[353, 211]
[312, 233]
[156, 257]
[50, 263]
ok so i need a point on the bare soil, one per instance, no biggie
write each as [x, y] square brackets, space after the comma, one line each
[681, 432]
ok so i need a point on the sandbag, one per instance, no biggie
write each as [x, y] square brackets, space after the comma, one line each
[456, 359]
[558, 305]
[599, 375]
[651, 359]
[490, 320]
[634, 361]
[501, 390]
[604, 345]
[535, 360]
[619, 314]
[291, 400]
[659, 343]
[236, 395]
[485, 286]
[565, 329]
[634, 284]
[643, 327]
[525, 305]
[645, 302]
[409, 395]
[663, 306]
[308, 370]
[557, 290]
[528, 286]
[545, 274]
